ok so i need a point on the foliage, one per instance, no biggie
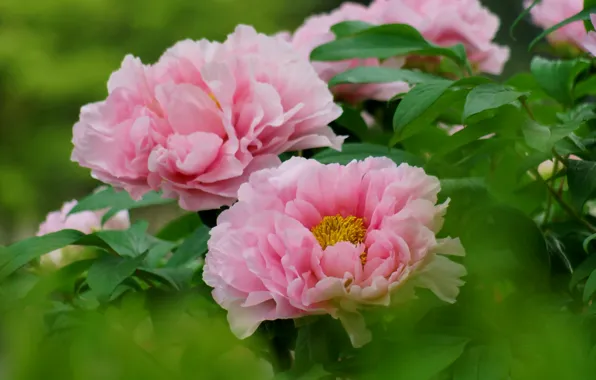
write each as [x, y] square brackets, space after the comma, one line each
[139, 307]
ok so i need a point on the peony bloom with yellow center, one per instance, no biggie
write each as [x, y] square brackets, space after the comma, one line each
[307, 238]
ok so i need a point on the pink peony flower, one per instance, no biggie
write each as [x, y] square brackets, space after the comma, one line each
[204, 117]
[316, 31]
[85, 221]
[307, 238]
[448, 22]
[589, 42]
[548, 13]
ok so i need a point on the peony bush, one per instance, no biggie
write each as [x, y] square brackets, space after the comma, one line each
[360, 198]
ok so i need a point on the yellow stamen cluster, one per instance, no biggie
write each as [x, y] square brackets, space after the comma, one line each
[333, 229]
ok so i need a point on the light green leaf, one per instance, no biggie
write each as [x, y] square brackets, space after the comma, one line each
[372, 74]
[489, 96]
[483, 363]
[115, 201]
[132, 242]
[19, 254]
[108, 272]
[543, 138]
[557, 77]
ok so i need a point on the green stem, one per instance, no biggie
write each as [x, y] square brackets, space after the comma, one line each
[549, 199]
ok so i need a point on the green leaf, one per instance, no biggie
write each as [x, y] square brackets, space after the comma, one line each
[427, 356]
[360, 151]
[384, 41]
[586, 87]
[347, 28]
[557, 77]
[351, 119]
[582, 271]
[177, 278]
[115, 201]
[192, 248]
[19, 254]
[483, 363]
[581, 177]
[450, 186]
[108, 272]
[372, 74]
[417, 101]
[590, 287]
[489, 96]
[586, 243]
[132, 242]
[580, 16]
[543, 138]
[180, 227]
[521, 16]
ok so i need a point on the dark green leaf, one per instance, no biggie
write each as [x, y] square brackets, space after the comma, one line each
[586, 87]
[417, 101]
[371, 74]
[483, 363]
[351, 119]
[489, 96]
[583, 271]
[582, 15]
[557, 77]
[581, 176]
[360, 151]
[348, 28]
[108, 272]
[587, 242]
[192, 248]
[19, 254]
[590, 287]
[177, 278]
[180, 228]
[383, 41]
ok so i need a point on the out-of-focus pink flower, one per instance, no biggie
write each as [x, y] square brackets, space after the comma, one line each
[204, 117]
[547, 168]
[548, 13]
[307, 238]
[316, 31]
[589, 42]
[85, 221]
[448, 22]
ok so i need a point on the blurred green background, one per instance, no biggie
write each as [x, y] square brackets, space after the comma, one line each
[56, 56]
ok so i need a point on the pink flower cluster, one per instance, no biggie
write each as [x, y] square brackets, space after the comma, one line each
[548, 13]
[307, 238]
[443, 22]
[206, 115]
[85, 221]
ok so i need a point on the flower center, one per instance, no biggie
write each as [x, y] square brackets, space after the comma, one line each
[212, 96]
[333, 229]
